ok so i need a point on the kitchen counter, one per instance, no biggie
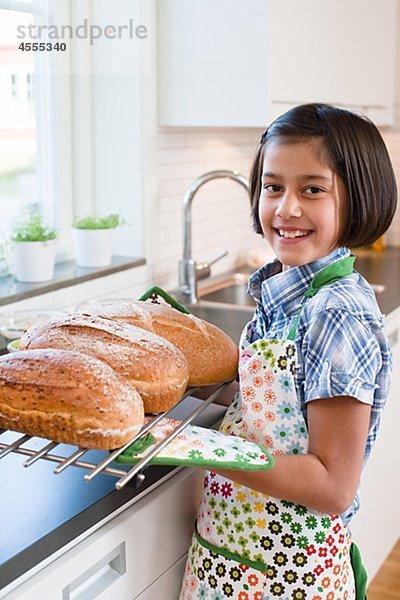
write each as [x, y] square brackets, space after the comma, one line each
[65, 274]
[378, 268]
[382, 268]
[41, 512]
[224, 302]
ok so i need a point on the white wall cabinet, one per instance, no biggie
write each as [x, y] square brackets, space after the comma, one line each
[141, 550]
[234, 63]
[376, 528]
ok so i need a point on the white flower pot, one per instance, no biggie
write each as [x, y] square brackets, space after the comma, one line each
[93, 247]
[34, 261]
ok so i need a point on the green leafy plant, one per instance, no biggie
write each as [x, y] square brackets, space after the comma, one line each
[32, 229]
[90, 222]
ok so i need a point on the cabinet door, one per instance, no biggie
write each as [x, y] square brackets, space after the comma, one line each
[376, 528]
[209, 57]
[337, 51]
[129, 553]
[234, 63]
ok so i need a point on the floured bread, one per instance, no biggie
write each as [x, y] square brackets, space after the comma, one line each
[211, 354]
[156, 368]
[68, 397]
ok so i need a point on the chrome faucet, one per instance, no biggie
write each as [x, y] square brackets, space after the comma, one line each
[189, 270]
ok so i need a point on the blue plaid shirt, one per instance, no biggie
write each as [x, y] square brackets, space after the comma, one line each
[342, 348]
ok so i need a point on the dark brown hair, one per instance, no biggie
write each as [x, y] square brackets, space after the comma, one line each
[355, 151]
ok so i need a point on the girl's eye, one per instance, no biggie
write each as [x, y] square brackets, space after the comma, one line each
[314, 190]
[272, 187]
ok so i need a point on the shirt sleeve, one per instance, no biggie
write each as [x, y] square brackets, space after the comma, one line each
[342, 357]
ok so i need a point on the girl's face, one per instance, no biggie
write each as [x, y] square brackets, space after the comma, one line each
[301, 201]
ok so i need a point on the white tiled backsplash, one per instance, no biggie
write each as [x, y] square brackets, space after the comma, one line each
[220, 215]
[221, 211]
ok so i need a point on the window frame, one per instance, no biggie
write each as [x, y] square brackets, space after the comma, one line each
[65, 111]
[54, 119]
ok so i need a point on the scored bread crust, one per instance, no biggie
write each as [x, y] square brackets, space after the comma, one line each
[68, 397]
[156, 368]
[211, 354]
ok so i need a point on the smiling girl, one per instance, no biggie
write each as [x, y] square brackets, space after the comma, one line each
[314, 369]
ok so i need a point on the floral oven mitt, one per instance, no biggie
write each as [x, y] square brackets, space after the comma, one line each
[197, 447]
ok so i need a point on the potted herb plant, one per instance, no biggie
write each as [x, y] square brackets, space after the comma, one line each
[34, 249]
[93, 239]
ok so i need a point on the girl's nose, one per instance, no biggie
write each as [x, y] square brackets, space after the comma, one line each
[289, 206]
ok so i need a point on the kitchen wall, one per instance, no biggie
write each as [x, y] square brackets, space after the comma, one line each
[220, 216]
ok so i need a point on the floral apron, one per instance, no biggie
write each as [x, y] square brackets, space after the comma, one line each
[251, 546]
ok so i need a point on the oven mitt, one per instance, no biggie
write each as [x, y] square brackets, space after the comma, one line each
[197, 447]
[194, 446]
[157, 295]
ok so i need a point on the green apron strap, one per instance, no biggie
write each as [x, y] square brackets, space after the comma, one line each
[360, 574]
[329, 274]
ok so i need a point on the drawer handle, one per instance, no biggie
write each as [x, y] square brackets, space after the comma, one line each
[393, 338]
[98, 577]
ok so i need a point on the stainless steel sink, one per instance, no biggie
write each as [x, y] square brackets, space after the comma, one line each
[232, 290]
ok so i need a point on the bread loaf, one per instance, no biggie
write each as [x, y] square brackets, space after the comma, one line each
[68, 397]
[211, 354]
[156, 368]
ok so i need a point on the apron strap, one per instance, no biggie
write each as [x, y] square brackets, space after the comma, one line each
[334, 272]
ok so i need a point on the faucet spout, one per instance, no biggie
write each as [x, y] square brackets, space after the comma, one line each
[187, 265]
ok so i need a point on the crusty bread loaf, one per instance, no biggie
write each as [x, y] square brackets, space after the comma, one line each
[211, 354]
[156, 368]
[68, 397]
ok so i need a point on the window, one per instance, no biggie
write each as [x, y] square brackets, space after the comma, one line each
[71, 120]
[18, 121]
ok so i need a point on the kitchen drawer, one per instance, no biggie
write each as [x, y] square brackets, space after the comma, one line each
[128, 554]
[168, 585]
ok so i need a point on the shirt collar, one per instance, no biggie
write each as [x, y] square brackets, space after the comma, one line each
[273, 287]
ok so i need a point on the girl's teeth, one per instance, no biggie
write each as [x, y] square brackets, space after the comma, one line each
[292, 234]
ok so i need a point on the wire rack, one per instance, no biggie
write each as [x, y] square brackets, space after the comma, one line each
[105, 466]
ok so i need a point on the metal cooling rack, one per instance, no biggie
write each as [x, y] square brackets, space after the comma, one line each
[104, 466]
